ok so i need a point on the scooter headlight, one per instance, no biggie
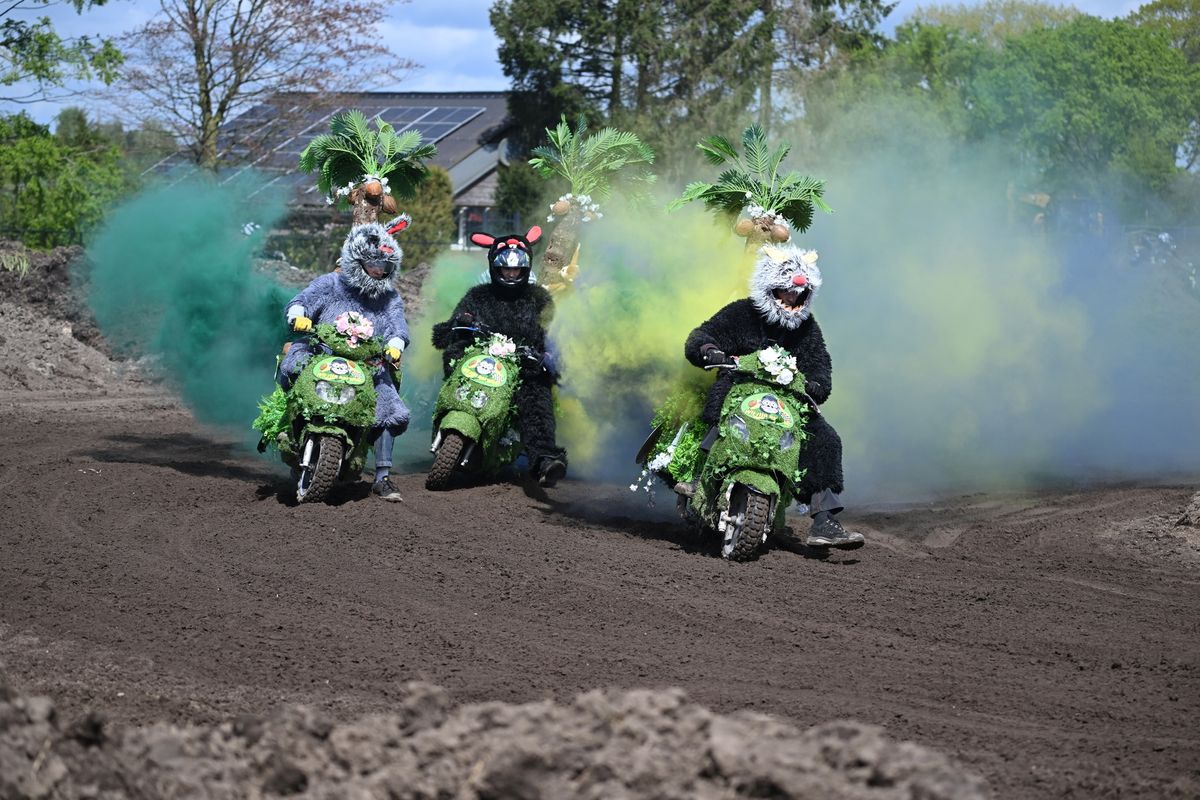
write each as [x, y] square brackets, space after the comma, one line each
[739, 426]
[786, 441]
[338, 395]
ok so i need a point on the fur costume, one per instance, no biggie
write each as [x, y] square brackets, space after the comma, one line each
[353, 289]
[779, 312]
[522, 311]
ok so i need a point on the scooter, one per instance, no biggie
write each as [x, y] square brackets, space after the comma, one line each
[474, 417]
[747, 470]
[323, 428]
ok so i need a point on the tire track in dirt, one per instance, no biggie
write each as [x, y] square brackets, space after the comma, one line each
[177, 576]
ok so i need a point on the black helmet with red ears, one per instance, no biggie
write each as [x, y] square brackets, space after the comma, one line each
[510, 257]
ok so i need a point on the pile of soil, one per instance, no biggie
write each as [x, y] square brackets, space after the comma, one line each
[45, 353]
[47, 288]
[603, 744]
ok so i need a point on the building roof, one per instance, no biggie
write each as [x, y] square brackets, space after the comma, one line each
[467, 127]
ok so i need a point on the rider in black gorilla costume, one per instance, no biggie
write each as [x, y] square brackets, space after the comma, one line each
[511, 305]
[779, 312]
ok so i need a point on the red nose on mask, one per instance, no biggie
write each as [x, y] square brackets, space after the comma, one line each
[799, 280]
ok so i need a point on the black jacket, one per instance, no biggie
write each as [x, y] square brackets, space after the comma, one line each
[738, 329]
[522, 314]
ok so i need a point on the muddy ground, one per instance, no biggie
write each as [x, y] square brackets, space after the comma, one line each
[153, 572]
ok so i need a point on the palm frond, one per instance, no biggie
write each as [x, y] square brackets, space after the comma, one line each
[758, 159]
[754, 180]
[718, 150]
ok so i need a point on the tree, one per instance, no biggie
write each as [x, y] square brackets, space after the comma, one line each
[36, 60]
[432, 211]
[994, 22]
[658, 68]
[199, 63]
[1086, 98]
[588, 165]
[1179, 21]
[366, 169]
[52, 193]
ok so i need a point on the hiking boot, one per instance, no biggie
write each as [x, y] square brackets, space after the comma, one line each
[826, 531]
[550, 471]
[384, 489]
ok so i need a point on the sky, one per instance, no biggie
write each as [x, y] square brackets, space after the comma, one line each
[451, 39]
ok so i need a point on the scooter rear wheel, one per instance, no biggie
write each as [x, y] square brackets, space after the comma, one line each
[321, 474]
[445, 460]
[750, 518]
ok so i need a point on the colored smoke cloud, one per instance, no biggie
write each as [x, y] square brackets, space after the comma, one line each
[170, 276]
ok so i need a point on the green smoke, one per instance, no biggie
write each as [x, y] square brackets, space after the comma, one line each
[171, 277]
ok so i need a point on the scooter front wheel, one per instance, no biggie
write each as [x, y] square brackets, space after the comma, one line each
[445, 460]
[750, 518]
[320, 468]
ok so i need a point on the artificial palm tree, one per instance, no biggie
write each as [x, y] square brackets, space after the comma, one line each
[366, 168]
[767, 205]
[588, 164]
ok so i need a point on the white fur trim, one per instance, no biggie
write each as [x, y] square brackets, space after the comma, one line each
[295, 311]
[775, 268]
[396, 342]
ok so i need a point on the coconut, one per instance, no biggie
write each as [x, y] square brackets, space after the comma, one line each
[389, 204]
[780, 233]
[373, 189]
[743, 227]
[560, 207]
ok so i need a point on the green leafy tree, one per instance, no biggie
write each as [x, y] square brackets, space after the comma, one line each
[994, 22]
[35, 61]
[1179, 21]
[657, 68]
[364, 168]
[753, 185]
[588, 165]
[521, 191]
[432, 210]
[53, 193]
[1086, 98]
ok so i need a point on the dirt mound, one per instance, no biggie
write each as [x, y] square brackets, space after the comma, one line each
[1191, 515]
[604, 744]
[44, 353]
[42, 280]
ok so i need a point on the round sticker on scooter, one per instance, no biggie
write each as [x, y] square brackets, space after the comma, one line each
[487, 370]
[766, 407]
[336, 369]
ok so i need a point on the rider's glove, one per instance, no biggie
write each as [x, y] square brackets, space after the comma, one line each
[714, 356]
[465, 319]
[392, 354]
[301, 324]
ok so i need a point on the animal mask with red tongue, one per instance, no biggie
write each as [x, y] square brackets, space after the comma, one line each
[784, 283]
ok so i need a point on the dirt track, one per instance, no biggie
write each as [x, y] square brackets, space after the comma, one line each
[151, 571]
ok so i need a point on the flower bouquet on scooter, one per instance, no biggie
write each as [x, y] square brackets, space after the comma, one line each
[473, 420]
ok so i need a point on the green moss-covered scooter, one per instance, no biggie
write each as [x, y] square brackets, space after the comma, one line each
[474, 418]
[738, 478]
[322, 422]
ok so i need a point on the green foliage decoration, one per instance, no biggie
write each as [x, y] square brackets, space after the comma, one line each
[754, 179]
[352, 150]
[588, 163]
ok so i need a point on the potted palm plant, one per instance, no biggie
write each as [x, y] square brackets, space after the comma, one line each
[766, 205]
[366, 168]
[588, 164]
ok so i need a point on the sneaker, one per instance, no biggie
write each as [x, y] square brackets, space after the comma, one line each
[828, 532]
[550, 472]
[384, 489]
